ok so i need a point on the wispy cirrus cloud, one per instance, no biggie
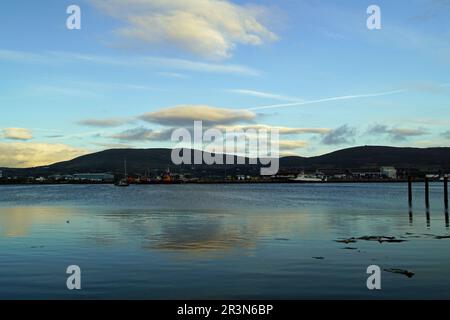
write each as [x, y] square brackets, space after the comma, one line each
[22, 56]
[105, 123]
[173, 75]
[266, 95]
[60, 90]
[149, 62]
[281, 130]
[337, 98]
[207, 28]
[428, 87]
[433, 8]
[197, 66]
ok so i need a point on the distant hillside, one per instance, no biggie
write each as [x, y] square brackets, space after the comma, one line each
[374, 156]
[140, 161]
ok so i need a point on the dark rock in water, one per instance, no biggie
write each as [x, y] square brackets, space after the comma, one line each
[350, 248]
[375, 238]
[407, 273]
[318, 258]
[381, 239]
[393, 240]
[442, 237]
[68, 221]
[350, 240]
[282, 239]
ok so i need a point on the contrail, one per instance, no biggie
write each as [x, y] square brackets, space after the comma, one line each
[302, 103]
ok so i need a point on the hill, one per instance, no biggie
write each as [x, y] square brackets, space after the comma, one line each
[375, 156]
[140, 161]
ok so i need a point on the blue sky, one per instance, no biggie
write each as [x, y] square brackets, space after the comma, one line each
[311, 68]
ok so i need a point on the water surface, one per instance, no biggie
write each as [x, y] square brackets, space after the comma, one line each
[220, 241]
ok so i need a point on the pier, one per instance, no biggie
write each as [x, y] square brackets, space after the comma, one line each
[427, 199]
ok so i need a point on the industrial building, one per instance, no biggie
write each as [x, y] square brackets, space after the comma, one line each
[93, 177]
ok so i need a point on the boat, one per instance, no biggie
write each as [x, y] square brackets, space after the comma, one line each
[302, 177]
[124, 181]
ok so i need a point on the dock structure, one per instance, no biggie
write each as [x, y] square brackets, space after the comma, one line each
[410, 199]
[446, 193]
[447, 220]
[410, 191]
[427, 194]
[427, 199]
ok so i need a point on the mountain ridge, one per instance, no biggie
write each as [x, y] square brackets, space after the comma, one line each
[140, 161]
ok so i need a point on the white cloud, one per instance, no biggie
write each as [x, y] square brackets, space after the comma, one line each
[267, 95]
[189, 65]
[208, 28]
[21, 56]
[397, 134]
[173, 75]
[104, 123]
[338, 98]
[185, 115]
[17, 134]
[291, 144]
[26, 154]
[63, 58]
[281, 130]
[114, 145]
[143, 134]
[341, 135]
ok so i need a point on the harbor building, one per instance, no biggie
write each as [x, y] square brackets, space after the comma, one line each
[388, 172]
[94, 177]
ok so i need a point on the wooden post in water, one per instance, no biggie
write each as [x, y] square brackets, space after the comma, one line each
[427, 199]
[410, 192]
[446, 193]
[410, 198]
[447, 220]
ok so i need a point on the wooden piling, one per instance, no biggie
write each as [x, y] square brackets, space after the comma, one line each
[447, 220]
[427, 194]
[410, 191]
[446, 193]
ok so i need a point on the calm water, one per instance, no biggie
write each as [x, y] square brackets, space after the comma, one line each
[219, 241]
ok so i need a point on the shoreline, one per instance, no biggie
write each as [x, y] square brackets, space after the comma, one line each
[223, 182]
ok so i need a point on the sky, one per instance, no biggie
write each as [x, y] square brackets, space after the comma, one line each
[138, 69]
